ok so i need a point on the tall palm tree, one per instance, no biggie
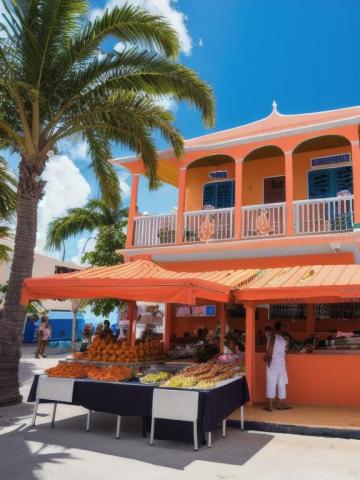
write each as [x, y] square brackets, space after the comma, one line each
[95, 214]
[56, 83]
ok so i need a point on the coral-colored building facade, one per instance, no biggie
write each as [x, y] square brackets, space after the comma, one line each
[282, 191]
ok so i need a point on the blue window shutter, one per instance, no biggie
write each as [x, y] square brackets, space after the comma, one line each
[209, 196]
[320, 184]
[219, 194]
[343, 179]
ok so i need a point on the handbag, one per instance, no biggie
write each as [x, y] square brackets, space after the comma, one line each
[269, 353]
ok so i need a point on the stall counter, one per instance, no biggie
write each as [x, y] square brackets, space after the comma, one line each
[325, 379]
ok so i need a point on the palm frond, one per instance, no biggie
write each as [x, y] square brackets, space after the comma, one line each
[8, 184]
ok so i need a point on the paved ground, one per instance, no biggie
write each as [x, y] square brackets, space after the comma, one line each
[68, 452]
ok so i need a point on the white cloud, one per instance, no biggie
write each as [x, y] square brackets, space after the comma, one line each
[167, 102]
[65, 188]
[84, 245]
[164, 8]
[201, 42]
[124, 176]
[76, 149]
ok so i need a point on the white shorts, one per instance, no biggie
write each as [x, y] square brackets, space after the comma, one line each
[276, 381]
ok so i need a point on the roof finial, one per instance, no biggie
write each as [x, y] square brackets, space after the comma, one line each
[274, 105]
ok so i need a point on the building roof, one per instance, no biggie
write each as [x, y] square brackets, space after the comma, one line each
[277, 122]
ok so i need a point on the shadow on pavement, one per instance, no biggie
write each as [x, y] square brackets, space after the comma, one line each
[19, 462]
[236, 449]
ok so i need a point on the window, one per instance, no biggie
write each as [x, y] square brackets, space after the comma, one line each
[274, 189]
[219, 194]
[326, 183]
[330, 160]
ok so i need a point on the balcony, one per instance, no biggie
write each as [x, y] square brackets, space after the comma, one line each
[319, 216]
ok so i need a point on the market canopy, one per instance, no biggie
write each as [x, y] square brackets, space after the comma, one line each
[143, 280]
[140, 280]
[317, 283]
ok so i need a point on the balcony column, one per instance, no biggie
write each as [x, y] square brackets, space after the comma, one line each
[181, 205]
[132, 211]
[355, 157]
[238, 199]
[289, 193]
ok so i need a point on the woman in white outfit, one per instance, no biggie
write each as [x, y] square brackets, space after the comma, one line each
[276, 375]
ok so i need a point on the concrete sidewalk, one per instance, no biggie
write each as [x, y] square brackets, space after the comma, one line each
[69, 452]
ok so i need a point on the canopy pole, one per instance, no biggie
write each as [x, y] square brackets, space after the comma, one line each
[167, 326]
[250, 349]
[310, 319]
[132, 322]
[223, 325]
[75, 303]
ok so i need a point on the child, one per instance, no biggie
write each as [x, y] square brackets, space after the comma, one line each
[44, 333]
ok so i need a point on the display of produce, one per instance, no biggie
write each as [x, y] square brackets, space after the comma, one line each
[80, 355]
[179, 381]
[108, 350]
[110, 374]
[156, 377]
[204, 376]
[68, 370]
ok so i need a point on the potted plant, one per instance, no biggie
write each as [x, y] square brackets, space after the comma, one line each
[356, 227]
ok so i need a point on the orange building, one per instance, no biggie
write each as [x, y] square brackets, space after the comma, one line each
[279, 192]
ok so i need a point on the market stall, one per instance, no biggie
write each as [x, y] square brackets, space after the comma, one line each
[223, 392]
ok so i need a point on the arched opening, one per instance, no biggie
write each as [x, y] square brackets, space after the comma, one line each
[264, 176]
[323, 185]
[322, 168]
[210, 183]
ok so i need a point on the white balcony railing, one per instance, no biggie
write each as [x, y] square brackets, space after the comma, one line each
[155, 230]
[209, 225]
[263, 220]
[325, 215]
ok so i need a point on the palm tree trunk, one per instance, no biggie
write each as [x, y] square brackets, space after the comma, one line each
[30, 190]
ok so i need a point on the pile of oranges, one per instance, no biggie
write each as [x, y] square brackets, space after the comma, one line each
[68, 370]
[108, 350]
[109, 374]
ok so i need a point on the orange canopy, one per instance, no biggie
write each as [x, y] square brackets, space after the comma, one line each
[140, 280]
[326, 283]
[145, 281]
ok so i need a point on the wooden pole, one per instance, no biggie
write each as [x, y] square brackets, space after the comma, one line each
[250, 349]
[223, 325]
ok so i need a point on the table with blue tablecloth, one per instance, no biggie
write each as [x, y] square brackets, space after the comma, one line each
[135, 399]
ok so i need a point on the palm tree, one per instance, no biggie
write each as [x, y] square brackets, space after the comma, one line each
[56, 83]
[94, 215]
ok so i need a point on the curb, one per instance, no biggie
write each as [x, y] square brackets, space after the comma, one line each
[345, 433]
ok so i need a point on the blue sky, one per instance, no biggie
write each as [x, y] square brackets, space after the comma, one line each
[305, 54]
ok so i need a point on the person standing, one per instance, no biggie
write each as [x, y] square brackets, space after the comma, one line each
[276, 374]
[44, 334]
